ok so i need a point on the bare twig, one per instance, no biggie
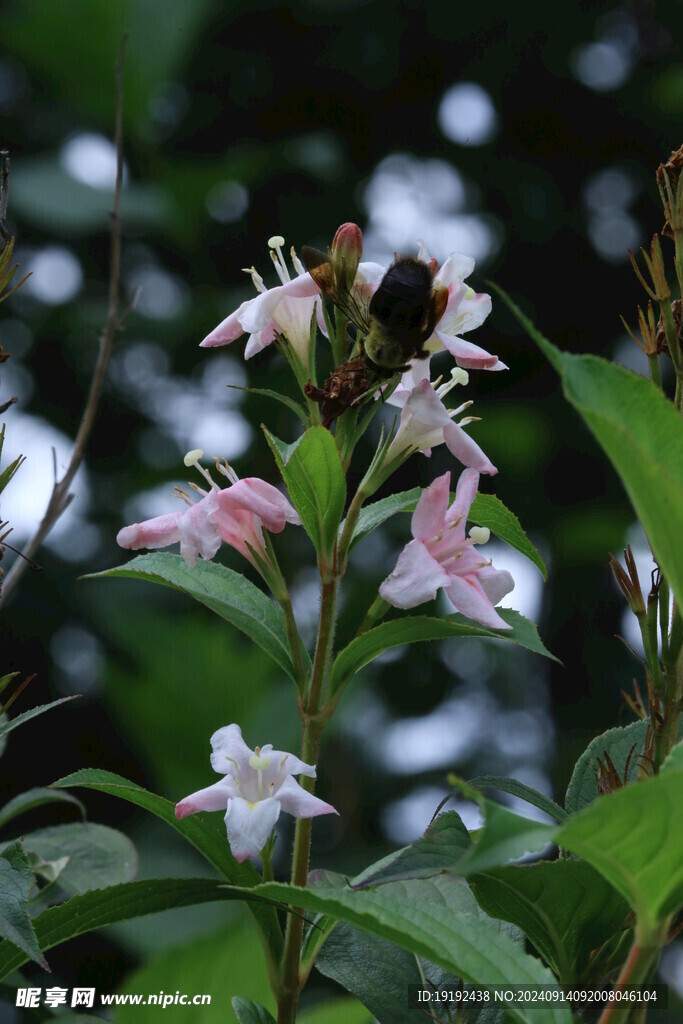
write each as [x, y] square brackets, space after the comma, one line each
[60, 497]
[4, 193]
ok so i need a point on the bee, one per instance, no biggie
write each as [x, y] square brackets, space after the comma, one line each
[400, 317]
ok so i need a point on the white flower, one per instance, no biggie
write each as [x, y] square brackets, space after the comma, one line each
[426, 422]
[286, 309]
[258, 784]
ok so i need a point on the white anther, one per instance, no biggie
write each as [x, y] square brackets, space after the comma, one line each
[193, 457]
[480, 534]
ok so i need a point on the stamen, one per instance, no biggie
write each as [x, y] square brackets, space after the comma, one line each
[256, 278]
[225, 469]
[192, 459]
[298, 265]
[480, 534]
[183, 496]
[458, 376]
[276, 243]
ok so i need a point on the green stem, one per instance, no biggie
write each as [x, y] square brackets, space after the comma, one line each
[310, 745]
[349, 526]
[655, 370]
[671, 334]
[634, 972]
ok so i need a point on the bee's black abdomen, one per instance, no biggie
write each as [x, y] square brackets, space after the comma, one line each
[403, 295]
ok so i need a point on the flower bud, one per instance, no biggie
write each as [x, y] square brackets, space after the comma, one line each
[345, 255]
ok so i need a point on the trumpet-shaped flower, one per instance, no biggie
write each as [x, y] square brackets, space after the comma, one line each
[442, 556]
[286, 309]
[426, 422]
[257, 785]
[465, 310]
[235, 515]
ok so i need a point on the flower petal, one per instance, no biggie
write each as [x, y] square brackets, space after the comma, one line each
[261, 498]
[249, 825]
[228, 330]
[197, 532]
[430, 512]
[466, 450]
[153, 533]
[468, 597]
[260, 311]
[456, 268]
[469, 313]
[465, 492]
[416, 578]
[300, 804]
[495, 583]
[467, 355]
[213, 798]
[228, 746]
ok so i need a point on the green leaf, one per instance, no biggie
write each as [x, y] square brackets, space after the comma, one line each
[622, 745]
[377, 512]
[9, 471]
[506, 836]
[98, 856]
[16, 927]
[674, 761]
[518, 789]
[297, 409]
[487, 510]
[379, 972]
[336, 1011]
[248, 1012]
[37, 798]
[314, 475]
[206, 833]
[224, 963]
[416, 916]
[13, 723]
[634, 837]
[410, 629]
[101, 907]
[438, 850]
[564, 907]
[639, 430]
[227, 593]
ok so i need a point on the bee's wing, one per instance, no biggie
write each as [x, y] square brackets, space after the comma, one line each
[318, 265]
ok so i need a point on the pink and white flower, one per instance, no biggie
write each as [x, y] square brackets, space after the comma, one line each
[426, 422]
[286, 309]
[465, 310]
[257, 785]
[235, 515]
[442, 556]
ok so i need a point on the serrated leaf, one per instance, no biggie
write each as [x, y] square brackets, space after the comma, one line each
[637, 427]
[100, 907]
[674, 761]
[416, 917]
[519, 789]
[227, 593]
[564, 907]
[634, 837]
[314, 475]
[410, 629]
[14, 723]
[506, 836]
[622, 745]
[439, 849]
[248, 1012]
[16, 927]
[206, 833]
[487, 510]
[99, 856]
[379, 972]
[37, 797]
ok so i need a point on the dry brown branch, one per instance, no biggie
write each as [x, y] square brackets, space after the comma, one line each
[61, 497]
